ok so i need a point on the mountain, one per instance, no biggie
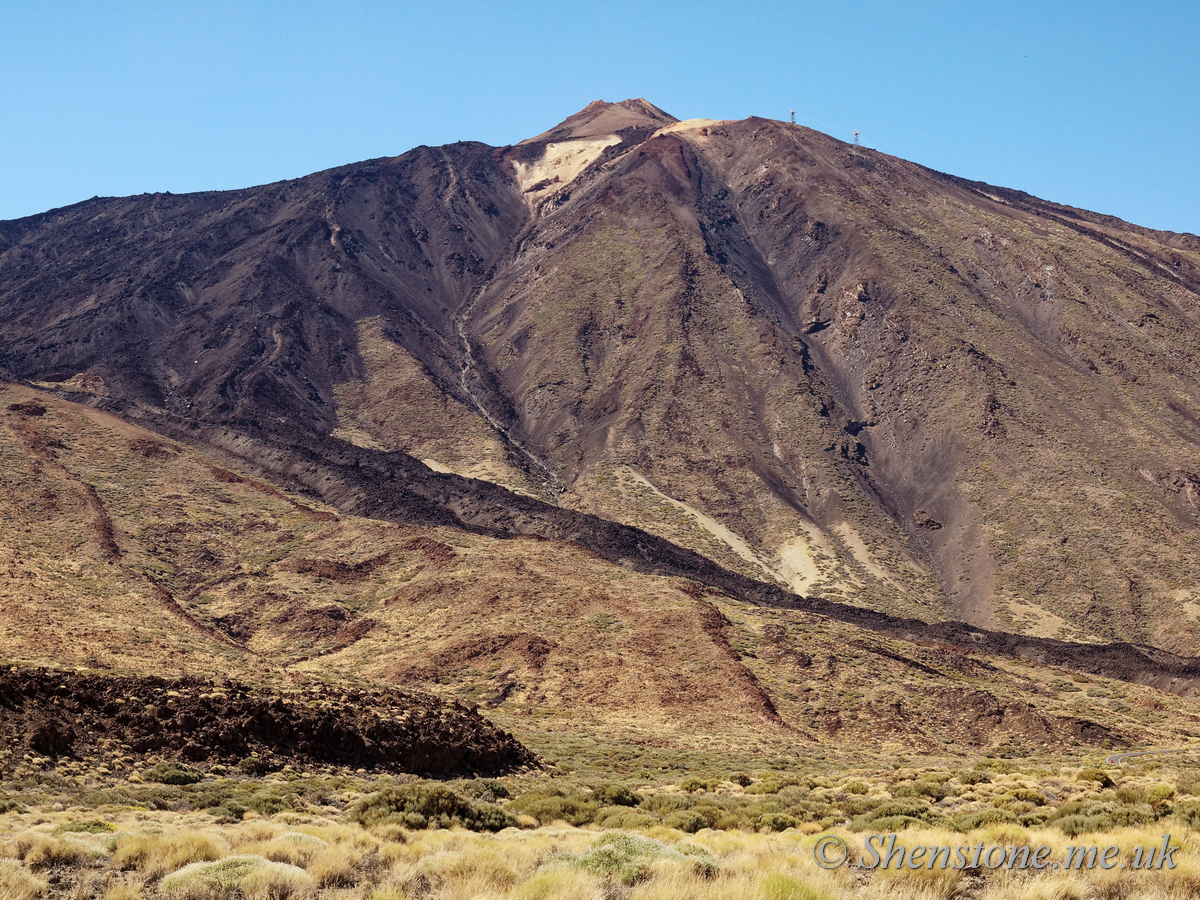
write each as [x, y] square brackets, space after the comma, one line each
[787, 368]
[131, 558]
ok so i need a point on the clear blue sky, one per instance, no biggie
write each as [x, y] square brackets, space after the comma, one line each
[1092, 104]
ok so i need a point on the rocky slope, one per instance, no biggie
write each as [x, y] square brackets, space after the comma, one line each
[821, 367]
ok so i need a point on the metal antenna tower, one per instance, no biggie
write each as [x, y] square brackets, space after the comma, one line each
[856, 144]
[793, 117]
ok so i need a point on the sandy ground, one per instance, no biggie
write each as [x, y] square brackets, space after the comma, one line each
[560, 165]
[709, 524]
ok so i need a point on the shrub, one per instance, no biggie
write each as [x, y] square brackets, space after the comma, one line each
[1132, 794]
[892, 823]
[982, 818]
[974, 776]
[1161, 793]
[764, 787]
[894, 815]
[855, 787]
[628, 857]
[687, 820]
[248, 877]
[488, 790]
[933, 789]
[253, 765]
[172, 773]
[694, 785]
[1189, 814]
[624, 817]
[1097, 775]
[18, 884]
[85, 826]
[1141, 814]
[1026, 795]
[266, 803]
[432, 806]
[668, 803]
[741, 778]
[8, 805]
[777, 821]
[1073, 826]
[616, 795]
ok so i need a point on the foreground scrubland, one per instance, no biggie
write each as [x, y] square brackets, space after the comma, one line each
[170, 831]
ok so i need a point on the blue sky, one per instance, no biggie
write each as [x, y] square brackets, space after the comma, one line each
[1091, 104]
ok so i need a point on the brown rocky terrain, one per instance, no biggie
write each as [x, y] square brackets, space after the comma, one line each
[130, 552]
[753, 396]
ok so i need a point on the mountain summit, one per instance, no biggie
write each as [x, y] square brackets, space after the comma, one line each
[600, 119]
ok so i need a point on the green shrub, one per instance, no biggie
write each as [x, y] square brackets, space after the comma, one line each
[1161, 793]
[624, 817]
[1073, 826]
[668, 803]
[85, 826]
[486, 789]
[167, 772]
[1132, 815]
[694, 785]
[974, 776]
[932, 789]
[616, 795]
[1189, 814]
[628, 857]
[777, 821]
[896, 813]
[1132, 794]
[553, 806]
[856, 806]
[8, 805]
[1026, 795]
[982, 818]
[855, 787]
[253, 765]
[429, 806]
[687, 820]
[1097, 775]
[892, 823]
[741, 778]
[267, 804]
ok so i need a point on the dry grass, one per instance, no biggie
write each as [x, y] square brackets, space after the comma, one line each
[17, 883]
[154, 855]
[342, 862]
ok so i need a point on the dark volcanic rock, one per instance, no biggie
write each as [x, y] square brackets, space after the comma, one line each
[58, 714]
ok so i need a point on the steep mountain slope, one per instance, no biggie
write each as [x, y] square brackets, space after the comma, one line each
[130, 553]
[815, 364]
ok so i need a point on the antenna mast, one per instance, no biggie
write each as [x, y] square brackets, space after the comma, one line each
[856, 144]
[793, 117]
